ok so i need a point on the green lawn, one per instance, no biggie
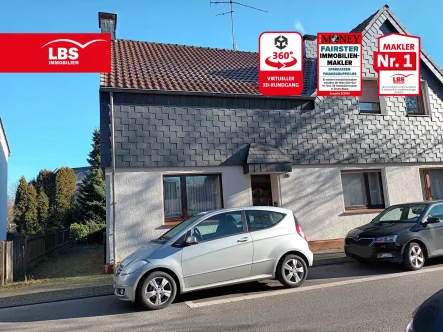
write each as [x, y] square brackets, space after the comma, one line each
[75, 266]
[73, 262]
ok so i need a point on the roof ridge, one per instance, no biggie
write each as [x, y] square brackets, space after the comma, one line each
[183, 45]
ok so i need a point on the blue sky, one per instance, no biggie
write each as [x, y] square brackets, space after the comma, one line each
[49, 118]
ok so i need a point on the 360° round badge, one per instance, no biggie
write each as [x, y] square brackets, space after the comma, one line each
[280, 63]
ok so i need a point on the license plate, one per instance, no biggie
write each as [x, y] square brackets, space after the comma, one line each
[360, 251]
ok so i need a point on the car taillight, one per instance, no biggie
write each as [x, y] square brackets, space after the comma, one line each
[300, 232]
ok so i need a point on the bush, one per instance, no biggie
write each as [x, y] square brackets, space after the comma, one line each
[79, 231]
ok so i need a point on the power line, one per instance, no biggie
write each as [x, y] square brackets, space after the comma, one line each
[231, 13]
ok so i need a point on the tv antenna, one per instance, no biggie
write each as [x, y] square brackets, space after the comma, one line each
[231, 12]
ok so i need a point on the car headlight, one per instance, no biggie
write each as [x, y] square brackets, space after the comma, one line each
[134, 267]
[386, 239]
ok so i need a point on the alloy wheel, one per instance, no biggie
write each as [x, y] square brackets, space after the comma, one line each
[293, 270]
[416, 256]
[158, 291]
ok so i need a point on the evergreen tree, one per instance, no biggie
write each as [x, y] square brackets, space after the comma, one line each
[21, 203]
[92, 191]
[65, 187]
[46, 181]
[31, 215]
[42, 208]
[26, 208]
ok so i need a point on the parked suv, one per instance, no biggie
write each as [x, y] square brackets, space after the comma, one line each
[213, 249]
[405, 233]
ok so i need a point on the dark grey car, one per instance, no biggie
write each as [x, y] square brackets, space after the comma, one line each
[405, 233]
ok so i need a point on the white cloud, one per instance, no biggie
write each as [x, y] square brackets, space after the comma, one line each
[299, 27]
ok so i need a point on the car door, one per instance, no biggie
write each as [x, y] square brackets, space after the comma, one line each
[268, 238]
[223, 251]
[436, 230]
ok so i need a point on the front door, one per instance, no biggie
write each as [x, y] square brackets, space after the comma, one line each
[261, 190]
[223, 252]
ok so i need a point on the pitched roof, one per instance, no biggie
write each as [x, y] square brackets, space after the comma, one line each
[167, 67]
[366, 24]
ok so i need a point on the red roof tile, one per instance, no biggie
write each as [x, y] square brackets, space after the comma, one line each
[167, 67]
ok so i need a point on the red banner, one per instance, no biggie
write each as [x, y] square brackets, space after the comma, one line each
[397, 63]
[280, 63]
[55, 52]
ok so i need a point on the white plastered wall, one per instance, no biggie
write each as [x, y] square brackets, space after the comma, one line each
[139, 202]
[315, 195]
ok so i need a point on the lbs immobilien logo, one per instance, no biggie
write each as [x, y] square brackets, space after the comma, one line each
[61, 53]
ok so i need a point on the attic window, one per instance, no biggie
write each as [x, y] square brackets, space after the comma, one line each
[418, 105]
[369, 101]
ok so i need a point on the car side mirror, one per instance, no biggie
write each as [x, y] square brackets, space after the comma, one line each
[191, 240]
[432, 220]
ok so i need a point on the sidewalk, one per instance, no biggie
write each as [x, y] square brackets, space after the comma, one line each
[83, 287]
[329, 257]
[60, 290]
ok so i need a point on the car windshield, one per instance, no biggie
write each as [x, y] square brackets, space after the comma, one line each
[410, 213]
[177, 229]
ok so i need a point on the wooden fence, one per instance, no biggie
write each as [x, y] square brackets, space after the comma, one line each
[17, 256]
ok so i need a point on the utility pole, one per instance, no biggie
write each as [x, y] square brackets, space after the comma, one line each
[231, 13]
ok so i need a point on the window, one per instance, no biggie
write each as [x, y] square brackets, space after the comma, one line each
[259, 219]
[369, 100]
[402, 213]
[417, 105]
[187, 195]
[362, 190]
[218, 226]
[432, 180]
[436, 212]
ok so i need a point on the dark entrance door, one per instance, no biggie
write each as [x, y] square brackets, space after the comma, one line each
[261, 190]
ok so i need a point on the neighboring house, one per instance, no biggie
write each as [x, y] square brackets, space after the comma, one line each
[80, 174]
[4, 155]
[193, 133]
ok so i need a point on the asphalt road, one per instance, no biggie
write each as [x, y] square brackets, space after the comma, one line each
[347, 297]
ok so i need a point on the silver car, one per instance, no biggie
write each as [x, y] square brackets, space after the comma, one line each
[213, 249]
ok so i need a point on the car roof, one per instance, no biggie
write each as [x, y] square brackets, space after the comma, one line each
[422, 202]
[265, 208]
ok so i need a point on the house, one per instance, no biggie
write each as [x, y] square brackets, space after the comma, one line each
[191, 132]
[4, 155]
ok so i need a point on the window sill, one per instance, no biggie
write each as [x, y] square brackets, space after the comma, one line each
[368, 113]
[362, 211]
[418, 115]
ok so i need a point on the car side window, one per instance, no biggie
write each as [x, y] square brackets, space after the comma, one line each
[218, 226]
[436, 212]
[261, 219]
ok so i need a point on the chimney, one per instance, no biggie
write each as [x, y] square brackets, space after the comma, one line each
[107, 22]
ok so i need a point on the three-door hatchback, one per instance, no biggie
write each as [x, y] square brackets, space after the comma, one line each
[213, 249]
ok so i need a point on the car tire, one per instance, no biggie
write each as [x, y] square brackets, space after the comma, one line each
[158, 290]
[414, 256]
[362, 261]
[292, 271]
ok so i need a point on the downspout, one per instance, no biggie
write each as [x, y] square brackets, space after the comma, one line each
[113, 181]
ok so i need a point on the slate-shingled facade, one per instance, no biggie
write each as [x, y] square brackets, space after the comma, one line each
[175, 118]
